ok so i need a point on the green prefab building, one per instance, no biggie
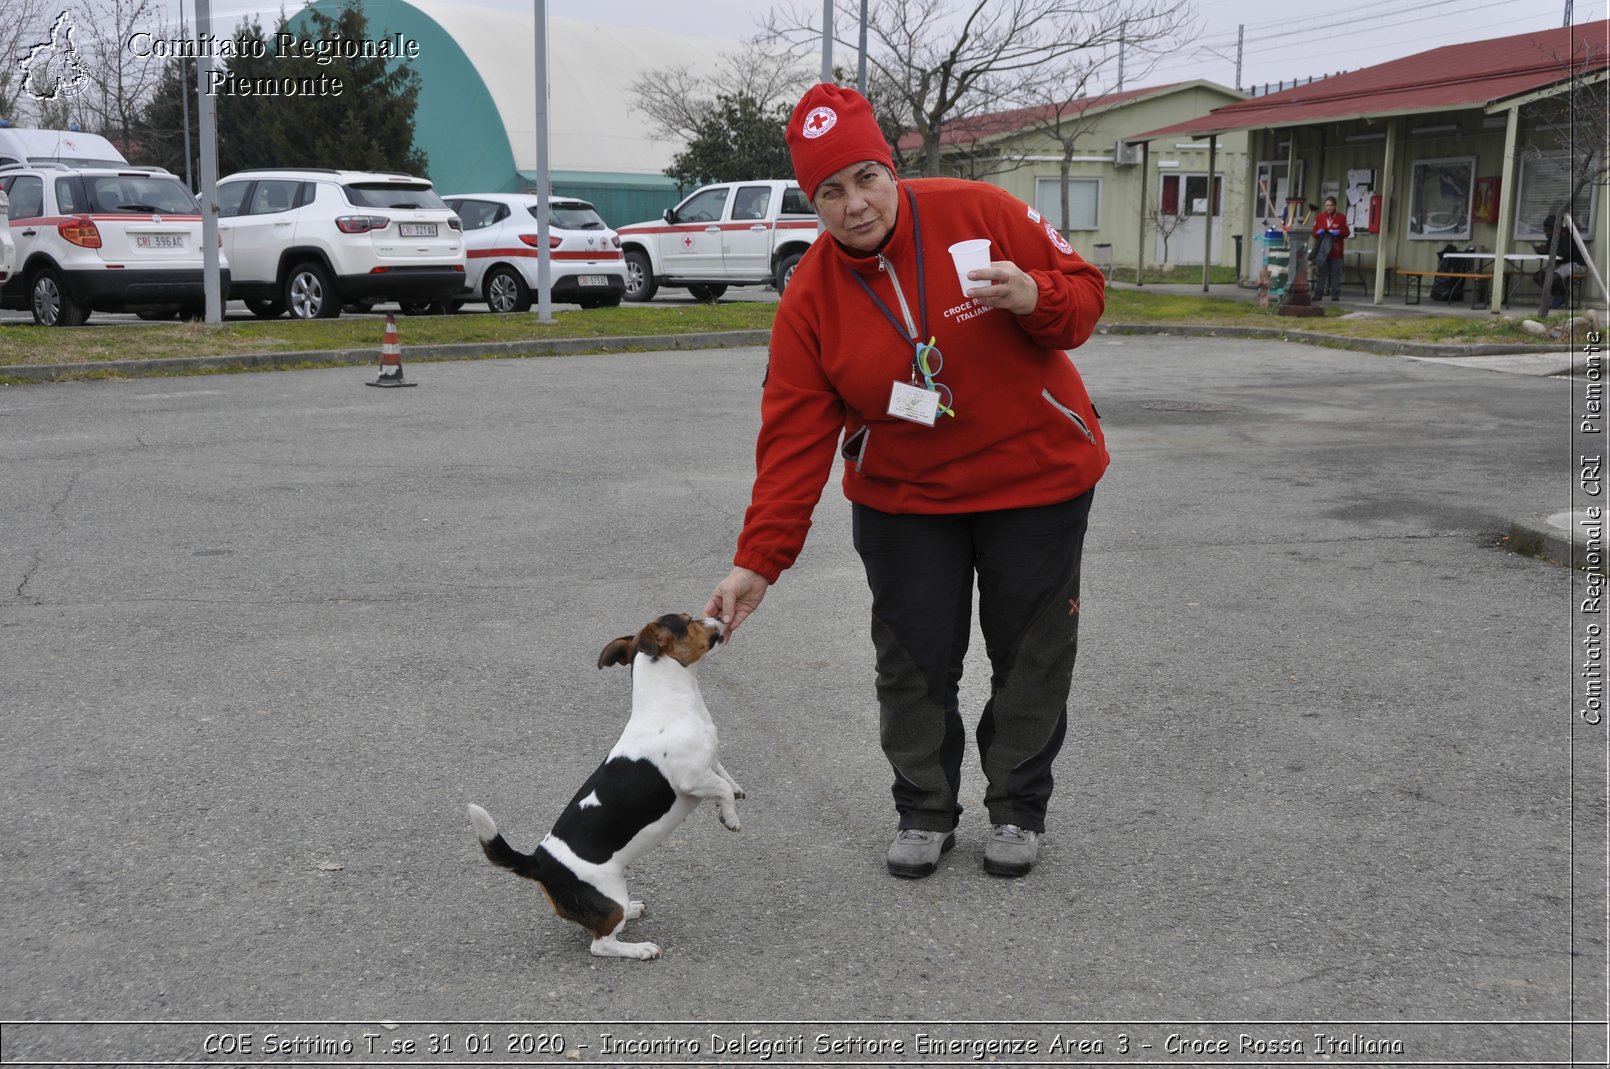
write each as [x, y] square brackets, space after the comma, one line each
[476, 120]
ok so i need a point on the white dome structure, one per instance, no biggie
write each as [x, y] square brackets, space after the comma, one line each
[476, 118]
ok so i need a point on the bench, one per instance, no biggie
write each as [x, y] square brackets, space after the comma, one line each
[1362, 262]
[1419, 276]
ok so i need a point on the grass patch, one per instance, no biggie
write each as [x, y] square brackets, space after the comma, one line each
[1178, 274]
[1168, 309]
[25, 344]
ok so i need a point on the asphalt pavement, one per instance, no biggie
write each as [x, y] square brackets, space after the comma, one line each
[265, 635]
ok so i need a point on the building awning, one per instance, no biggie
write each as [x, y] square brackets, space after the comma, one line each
[1455, 77]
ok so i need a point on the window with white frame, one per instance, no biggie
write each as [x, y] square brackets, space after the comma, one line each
[1439, 199]
[1544, 182]
[1084, 202]
[1272, 188]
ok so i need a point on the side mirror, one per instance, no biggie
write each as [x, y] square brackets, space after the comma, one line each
[670, 215]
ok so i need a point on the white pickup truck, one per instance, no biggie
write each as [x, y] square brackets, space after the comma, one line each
[730, 234]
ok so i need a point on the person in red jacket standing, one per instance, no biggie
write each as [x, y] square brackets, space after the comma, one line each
[971, 451]
[1330, 231]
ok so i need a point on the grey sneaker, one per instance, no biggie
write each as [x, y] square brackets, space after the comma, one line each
[914, 854]
[1011, 850]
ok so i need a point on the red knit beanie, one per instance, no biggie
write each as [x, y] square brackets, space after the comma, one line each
[831, 128]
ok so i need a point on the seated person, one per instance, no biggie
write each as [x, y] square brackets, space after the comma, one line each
[1567, 259]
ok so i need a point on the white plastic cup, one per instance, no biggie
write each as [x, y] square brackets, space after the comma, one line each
[970, 256]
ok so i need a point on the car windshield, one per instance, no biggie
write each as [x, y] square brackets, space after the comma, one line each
[393, 195]
[145, 194]
[570, 217]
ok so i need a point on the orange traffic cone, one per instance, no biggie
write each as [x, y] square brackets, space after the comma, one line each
[391, 372]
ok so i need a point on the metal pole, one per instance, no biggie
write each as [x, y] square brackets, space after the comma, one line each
[1240, 37]
[1145, 189]
[827, 40]
[207, 121]
[1123, 26]
[860, 64]
[184, 106]
[1207, 252]
[544, 255]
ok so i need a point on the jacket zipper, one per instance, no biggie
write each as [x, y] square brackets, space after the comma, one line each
[905, 309]
[1070, 413]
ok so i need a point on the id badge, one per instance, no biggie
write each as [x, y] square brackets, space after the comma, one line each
[914, 404]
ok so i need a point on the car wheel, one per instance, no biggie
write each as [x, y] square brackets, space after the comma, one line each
[309, 294]
[506, 291]
[707, 294]
[52, 305]
[640, 284]
[265, 309]
[785, 272]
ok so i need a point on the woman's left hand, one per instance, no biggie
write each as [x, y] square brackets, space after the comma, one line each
[1009, 288]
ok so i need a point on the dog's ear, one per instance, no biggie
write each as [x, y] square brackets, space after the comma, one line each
[654, 639]
[619, 651]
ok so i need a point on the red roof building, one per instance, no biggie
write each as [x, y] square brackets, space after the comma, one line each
[1470, 144]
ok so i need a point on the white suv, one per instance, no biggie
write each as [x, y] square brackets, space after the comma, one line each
[586, 264]
[310, 241]
[102, 238]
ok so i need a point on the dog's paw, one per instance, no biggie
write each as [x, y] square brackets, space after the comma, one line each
[730, 820]
[738, 792]
[610, 947]
[634, 910]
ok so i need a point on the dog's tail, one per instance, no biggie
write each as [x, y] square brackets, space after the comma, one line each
[497, 849]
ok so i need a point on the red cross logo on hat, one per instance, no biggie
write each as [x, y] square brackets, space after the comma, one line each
[819, 122]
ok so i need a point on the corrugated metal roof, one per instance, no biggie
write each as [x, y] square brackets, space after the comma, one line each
[997, 124]
[1470, 75]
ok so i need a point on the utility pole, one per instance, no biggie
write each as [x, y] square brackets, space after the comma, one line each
[827, 40]
[206, 105]
[1123, 27]
[184, 105]
[860, 64]
[1240, 36]
[544, 190]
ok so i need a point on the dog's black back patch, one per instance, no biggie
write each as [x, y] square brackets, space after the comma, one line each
[631, 794]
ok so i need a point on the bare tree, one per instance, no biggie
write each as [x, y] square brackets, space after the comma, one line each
[681, 99]
[121, 80]
[953, 60]
[1062, 110]
[1167, 223]
[26, 24]
[1578, 118]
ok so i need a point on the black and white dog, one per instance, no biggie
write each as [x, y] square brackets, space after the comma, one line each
[664, 765]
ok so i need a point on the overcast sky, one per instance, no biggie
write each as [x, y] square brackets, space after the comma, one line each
[1282, 41]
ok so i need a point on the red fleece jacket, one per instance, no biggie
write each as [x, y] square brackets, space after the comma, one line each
[1327, 221]
[1024, 433]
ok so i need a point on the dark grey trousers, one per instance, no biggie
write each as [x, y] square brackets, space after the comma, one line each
[921, 571]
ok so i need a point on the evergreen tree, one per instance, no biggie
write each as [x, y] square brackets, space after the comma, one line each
[245, 120]
[736, 140]
[160, 130]
[369, 126]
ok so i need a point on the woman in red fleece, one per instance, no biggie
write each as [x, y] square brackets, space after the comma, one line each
[970, 449]
[1330, 232]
